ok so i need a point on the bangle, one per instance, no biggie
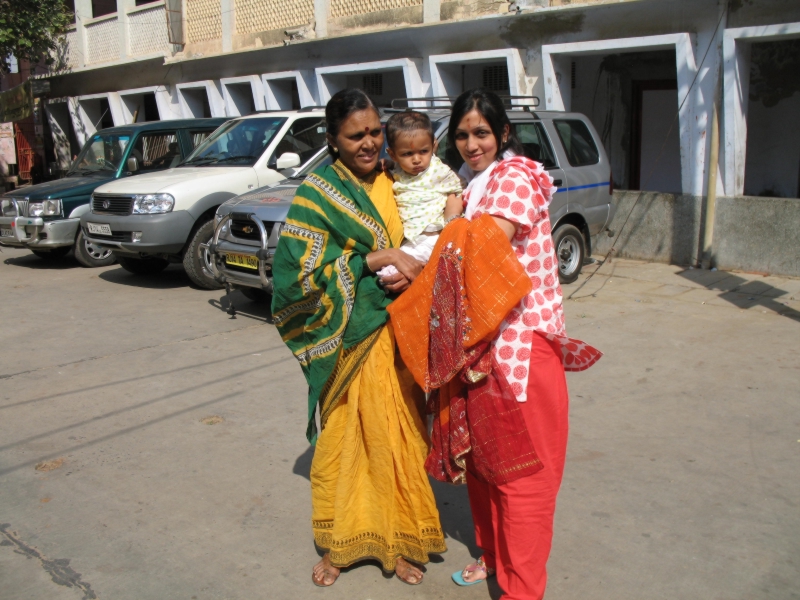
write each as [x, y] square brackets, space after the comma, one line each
[447, 220]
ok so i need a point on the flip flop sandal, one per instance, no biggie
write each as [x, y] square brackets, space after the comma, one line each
[458, 576]
[325, 573]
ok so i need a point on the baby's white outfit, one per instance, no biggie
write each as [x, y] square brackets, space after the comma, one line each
[420, 201]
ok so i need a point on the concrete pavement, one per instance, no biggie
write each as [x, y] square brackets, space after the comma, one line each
[681, 479]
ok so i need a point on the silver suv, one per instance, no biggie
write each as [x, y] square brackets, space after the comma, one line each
[248, 226]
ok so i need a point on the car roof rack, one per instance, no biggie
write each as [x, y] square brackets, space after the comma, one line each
[274, 110]
[525, 103]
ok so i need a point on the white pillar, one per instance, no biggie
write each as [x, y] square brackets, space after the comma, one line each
[83, 12]
[124, 28]
[228, 8]
[322, 9]
[431, 11]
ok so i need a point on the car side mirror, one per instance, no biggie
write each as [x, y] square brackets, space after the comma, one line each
[287, 160]
[133, 164]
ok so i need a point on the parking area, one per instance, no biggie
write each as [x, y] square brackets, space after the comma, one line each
[151, 447]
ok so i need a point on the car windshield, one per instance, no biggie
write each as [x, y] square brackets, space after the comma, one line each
[103, 152]
[240, 142]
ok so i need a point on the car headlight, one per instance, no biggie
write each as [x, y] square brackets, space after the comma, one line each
[52, 208]
[35, 209]
[8, 208]
[152, 204]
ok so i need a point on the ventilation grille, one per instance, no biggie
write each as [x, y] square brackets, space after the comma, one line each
[495, 78]
[373, 84]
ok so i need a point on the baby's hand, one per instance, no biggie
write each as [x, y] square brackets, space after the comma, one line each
[387, 271]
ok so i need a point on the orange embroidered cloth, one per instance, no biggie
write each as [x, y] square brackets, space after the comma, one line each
[445, 323]
[494, 282]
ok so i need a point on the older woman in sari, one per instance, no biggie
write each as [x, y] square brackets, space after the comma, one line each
[370, 495]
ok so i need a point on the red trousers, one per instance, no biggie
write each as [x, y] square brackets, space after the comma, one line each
[514, 522]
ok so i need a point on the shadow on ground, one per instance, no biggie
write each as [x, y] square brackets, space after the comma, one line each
[741, 292]
[170, 278]
[31, 261]
[259, 311]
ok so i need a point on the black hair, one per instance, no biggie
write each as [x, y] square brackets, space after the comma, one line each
[341, 105]
[406, 122]
[490, 106]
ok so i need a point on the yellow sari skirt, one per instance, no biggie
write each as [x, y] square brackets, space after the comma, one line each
[369, 490]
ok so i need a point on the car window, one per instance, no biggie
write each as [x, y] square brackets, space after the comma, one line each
[239, 142]
[304, 137]
[102, 153]
[449, 155]
[578, 143]
[198, 137]
[156, 150]
[535, 143]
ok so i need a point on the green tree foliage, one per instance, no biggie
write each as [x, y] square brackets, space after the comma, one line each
[32, 30]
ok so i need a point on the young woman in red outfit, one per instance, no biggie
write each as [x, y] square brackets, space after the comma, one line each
[514, 521]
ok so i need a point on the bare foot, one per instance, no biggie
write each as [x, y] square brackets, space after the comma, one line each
[406, 572]
[324, 573]
[477, 571]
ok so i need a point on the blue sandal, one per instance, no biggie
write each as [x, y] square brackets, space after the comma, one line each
[458, 576]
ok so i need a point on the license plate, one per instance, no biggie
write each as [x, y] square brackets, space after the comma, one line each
[242, 260]
[6, 233]
[99, 228]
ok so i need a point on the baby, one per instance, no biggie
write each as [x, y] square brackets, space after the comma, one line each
[427, 192]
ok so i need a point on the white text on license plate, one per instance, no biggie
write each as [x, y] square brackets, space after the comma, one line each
[242, 260]
[6, 233]
[99, 228]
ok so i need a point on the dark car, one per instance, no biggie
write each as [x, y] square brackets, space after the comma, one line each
[567, 145]
[45, 218]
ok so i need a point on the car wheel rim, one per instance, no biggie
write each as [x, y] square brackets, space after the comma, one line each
[568, 252]
[205, 259]
[96, 252]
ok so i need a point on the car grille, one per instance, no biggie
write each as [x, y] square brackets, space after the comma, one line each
[245, 229]
[116, 236]
[112, 205]
[22, 206]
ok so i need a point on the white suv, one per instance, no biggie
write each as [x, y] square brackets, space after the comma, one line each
[153, 219]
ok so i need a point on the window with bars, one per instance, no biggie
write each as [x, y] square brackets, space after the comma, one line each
[373, 84]
[495, 78]
[199, 136]
[157, 150]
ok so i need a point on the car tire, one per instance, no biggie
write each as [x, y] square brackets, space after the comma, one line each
[256, 295]
[570, 249]
[197, 260]
[54, 254]
[142, 266]
[89, 255]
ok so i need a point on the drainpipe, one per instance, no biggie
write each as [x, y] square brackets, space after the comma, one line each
[711, 192]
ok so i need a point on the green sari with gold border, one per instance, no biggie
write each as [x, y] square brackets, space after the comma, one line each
[327, 305]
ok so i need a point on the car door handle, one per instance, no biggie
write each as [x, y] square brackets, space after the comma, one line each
[558, 182]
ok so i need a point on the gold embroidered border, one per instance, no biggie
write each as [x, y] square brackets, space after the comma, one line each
[368, 545]
[346, 368]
